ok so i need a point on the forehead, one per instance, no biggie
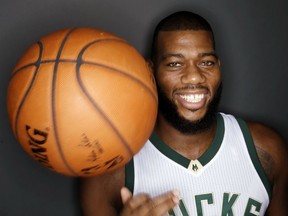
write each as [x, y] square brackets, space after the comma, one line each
[185, 39]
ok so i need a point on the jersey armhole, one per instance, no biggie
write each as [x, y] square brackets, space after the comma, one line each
[254, 156]
[129, 175]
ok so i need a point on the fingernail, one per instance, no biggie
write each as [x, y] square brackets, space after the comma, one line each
[175, 200]
[176, 193]
[176, 196]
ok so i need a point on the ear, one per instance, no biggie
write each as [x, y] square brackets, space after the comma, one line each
[219, 62]
[150, 64]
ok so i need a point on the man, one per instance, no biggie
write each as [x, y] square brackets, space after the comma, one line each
[197, 161]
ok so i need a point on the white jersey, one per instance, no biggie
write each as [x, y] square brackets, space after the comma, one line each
[226, 180]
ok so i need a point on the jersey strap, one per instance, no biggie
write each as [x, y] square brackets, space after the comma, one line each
[253, 155]
[129, 175]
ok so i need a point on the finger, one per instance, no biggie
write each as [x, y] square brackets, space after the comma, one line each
[133, 204]
[174, 196]
[163, 203]
[142, 204]
[125, 194]
[158, 205]
[138, 201]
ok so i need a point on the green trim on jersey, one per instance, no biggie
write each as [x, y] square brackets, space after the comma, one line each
[155, 140]
[129, 175]
[254, 156]
[204, 159]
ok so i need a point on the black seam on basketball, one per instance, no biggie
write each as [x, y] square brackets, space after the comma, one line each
[37, 64]
[20, 69]
[102, 113]
[127, 75]
[98, 64]
[53, 102]
[79, 61]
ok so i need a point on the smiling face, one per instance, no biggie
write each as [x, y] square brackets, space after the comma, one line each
[187, 72]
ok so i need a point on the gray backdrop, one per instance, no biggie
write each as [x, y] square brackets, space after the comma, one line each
[251, 38]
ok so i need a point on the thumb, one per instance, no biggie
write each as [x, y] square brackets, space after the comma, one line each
[125, 194]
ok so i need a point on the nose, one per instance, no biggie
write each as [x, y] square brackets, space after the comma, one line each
[192, 75]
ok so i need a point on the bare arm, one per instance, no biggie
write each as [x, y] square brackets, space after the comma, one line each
[272, 152]
[105, 195]
[100, 195]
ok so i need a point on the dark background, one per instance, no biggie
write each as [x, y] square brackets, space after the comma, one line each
[251, 39]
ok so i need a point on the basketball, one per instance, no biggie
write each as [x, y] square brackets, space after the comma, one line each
[82, 101]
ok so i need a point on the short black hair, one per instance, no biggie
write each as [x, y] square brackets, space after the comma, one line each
[181, 20]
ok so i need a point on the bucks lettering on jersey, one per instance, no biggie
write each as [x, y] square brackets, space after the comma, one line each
[226, 180]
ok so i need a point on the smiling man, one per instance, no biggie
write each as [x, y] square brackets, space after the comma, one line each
[197, 161]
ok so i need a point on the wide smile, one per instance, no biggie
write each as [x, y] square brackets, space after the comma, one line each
[192, 101]
[192, 98]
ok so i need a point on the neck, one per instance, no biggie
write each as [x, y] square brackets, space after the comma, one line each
[191, 146]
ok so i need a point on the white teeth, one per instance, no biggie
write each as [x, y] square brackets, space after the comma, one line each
[195, 98]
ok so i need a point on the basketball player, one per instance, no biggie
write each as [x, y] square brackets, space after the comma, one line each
[197, 161]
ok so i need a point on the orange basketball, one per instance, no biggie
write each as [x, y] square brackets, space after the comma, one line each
[82, 101]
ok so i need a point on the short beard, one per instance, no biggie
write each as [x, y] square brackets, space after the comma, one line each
[170, 113]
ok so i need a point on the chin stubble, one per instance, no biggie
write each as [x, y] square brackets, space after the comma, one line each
[169, 111]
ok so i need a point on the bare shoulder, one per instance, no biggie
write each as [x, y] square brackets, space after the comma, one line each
[272, 152]
[100, 195]
[271, 148]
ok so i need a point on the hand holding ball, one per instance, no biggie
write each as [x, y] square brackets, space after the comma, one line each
[82, 102]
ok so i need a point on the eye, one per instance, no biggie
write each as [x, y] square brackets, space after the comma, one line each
[174, 64]
[207, 63]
